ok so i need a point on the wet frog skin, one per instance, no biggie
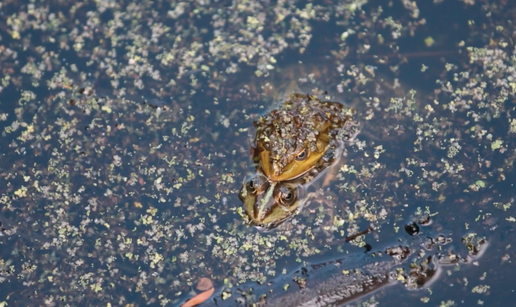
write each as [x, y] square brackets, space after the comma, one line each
[268, 203]
[292, 139]
[294, 146]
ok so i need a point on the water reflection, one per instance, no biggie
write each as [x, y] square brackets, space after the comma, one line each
[343, 280]
[128, 196]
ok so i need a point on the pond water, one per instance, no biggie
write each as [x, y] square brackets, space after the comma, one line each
[126, 129]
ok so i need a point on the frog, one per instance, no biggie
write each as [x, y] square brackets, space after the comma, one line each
[294, 138]
[294, 147]
[268, 203]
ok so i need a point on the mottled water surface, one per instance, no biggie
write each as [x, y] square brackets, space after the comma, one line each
[125, 136]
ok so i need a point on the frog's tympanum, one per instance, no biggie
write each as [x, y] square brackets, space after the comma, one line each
[294, 146]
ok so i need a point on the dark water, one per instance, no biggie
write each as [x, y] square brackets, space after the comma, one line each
[126, 134]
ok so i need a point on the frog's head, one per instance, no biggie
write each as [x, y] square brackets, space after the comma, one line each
[293, 164]
[268, 204]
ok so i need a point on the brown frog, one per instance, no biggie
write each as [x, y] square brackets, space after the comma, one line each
[292, 139]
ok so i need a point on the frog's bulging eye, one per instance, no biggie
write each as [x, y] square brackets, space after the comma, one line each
[287, 195]
[253, 185]
[302, 155]
[250, 184]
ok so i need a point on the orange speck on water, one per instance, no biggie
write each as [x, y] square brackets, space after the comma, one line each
[199, 298]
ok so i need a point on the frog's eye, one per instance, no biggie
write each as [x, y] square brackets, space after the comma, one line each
[253, 185]
[287, 196]
[302, 155]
